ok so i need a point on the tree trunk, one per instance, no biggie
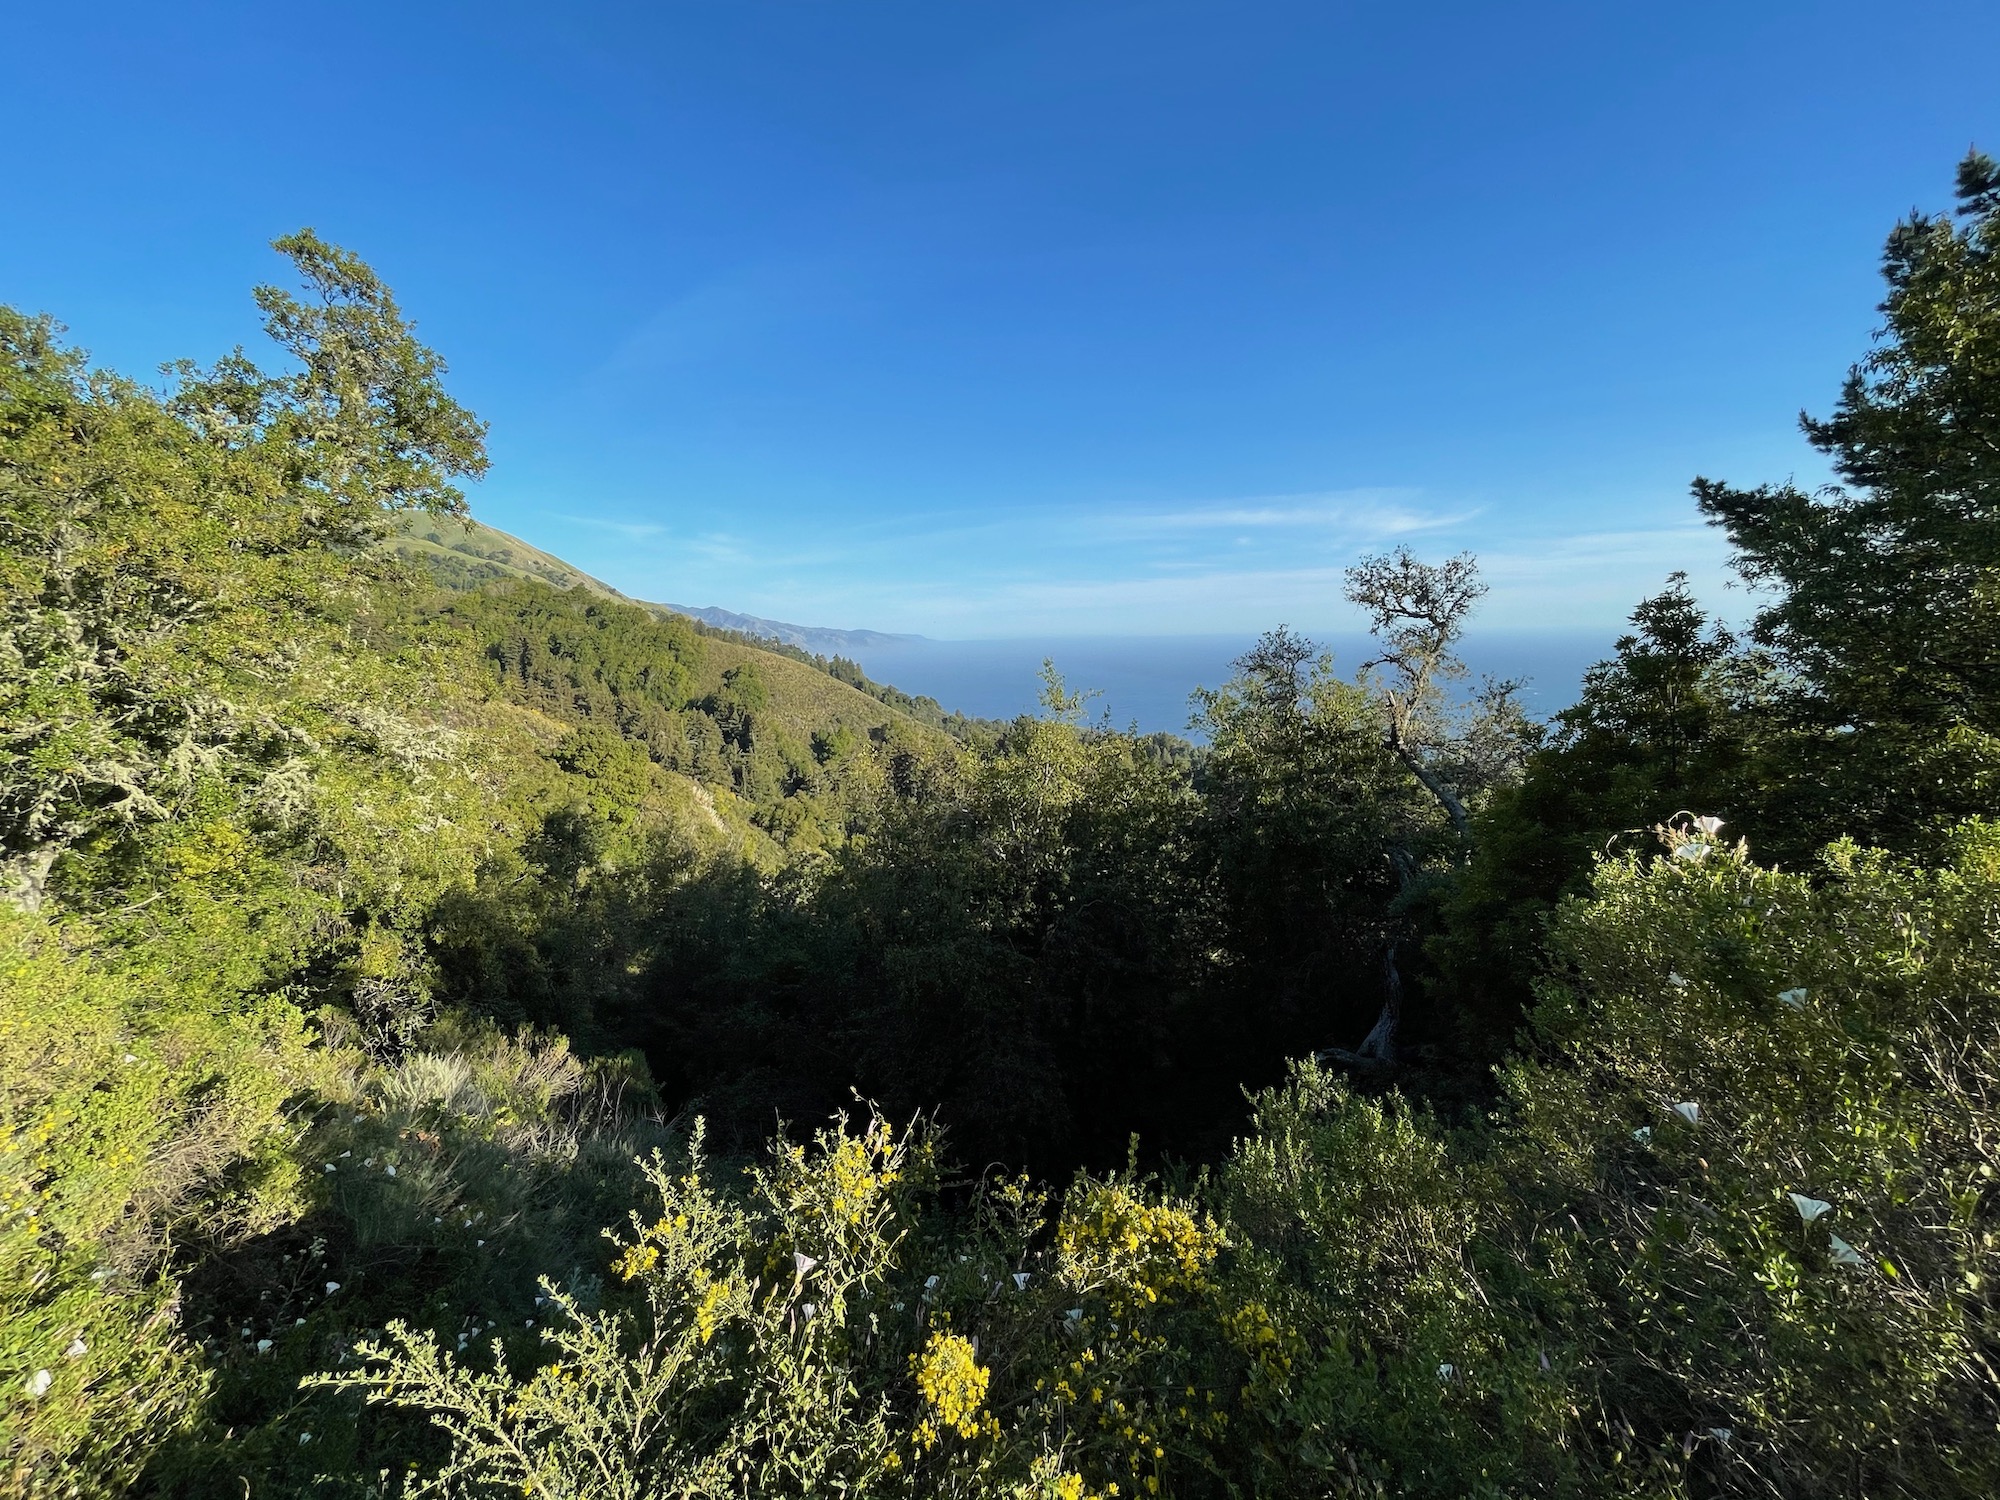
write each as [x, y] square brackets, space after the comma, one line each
[1378, 1048]
[1380, 1043]
[1461, 821]
[25, 877]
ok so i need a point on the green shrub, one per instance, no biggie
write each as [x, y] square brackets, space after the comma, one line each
[1731, 1231]
[441, 1185]
[133, 1121]
[1754, 1161]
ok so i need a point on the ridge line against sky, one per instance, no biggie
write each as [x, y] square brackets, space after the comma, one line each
[1033, 318]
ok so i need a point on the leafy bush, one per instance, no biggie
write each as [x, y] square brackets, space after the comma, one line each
[132, 1121]
[1731, 1231]
[1757, 1155]
[440, 1186]
[830, 1331]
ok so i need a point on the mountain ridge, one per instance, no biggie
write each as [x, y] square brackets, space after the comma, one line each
[824, 639]
[441, 539]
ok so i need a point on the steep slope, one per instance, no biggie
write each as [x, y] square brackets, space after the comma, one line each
[471, 552]
[468, 552]
[768, 743]
[816, 689]
[803, 698]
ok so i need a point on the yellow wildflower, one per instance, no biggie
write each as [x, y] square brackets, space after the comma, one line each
[952, 1382]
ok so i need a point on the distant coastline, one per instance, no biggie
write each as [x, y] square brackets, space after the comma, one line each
[1147, 681]
[826, 640]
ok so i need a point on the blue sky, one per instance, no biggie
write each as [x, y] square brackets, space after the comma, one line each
[1004, 319]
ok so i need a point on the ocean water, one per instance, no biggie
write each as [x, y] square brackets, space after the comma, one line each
[1146, 681]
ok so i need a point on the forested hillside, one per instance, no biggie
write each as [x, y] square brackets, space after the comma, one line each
[464, 1032]
[462, 553]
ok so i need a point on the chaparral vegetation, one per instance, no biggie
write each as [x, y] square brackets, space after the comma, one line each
[466, 1032]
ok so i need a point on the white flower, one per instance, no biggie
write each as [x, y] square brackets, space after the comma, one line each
[345, 1154]
[811, 1308]
[1844, 1254]
[1709, 826]
[479, 1244]
[263, 1346]
[331, 1167]
[1676, 981]
[1693, 849]
[1074, 1315]
[1445, 1372]
[803, 1262]
[367, 1161]
[1809, 1208]
[897, 1306]
[39, 1383]
[332, 1287]
[1021, 1279]
[1722, 1434]
[130, 1058]
[390, 1169]
[540, 1300]
[304, 1438]
[298, 1322]
[529, 1324]
[77, 1349]
[1643, 1135]
[1689, 1111]
[930, 1283]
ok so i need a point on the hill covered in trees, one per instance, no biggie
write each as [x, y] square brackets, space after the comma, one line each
[461, 554]
[462, 1031]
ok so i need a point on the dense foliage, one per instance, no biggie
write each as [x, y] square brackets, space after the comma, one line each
[425, 980]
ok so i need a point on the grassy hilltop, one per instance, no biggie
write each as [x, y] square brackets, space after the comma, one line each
[464, 552]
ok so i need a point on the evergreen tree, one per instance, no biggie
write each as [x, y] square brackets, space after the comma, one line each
[1887, 608]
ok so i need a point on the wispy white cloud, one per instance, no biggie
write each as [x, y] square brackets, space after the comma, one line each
[1065, 539]
[1560, 581]
[1598, 575]
[719, 547]
[1230, 565]
[630, 530]
[1377, 513]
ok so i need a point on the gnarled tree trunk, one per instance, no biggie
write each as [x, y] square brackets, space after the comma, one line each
[25, 878]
